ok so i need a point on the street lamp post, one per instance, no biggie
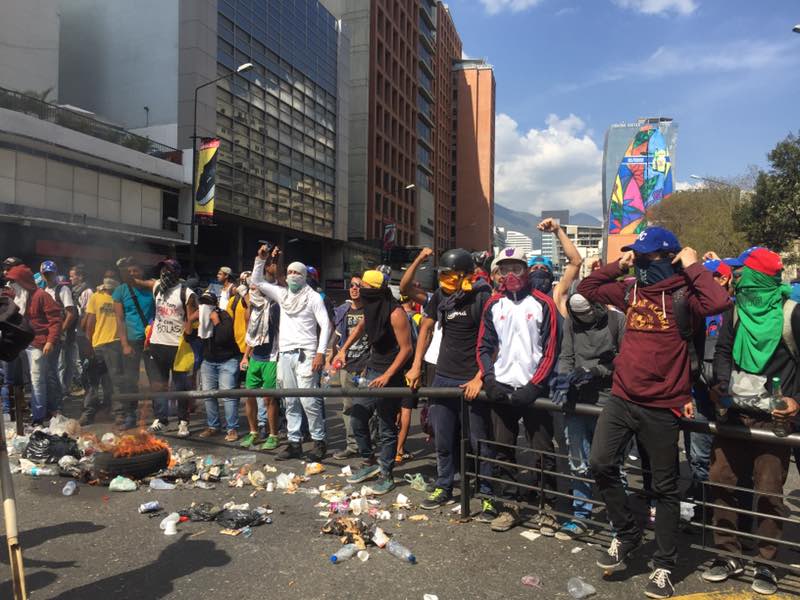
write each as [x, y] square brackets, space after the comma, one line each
[193, 236]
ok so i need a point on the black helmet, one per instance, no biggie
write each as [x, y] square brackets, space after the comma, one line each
[458, 260]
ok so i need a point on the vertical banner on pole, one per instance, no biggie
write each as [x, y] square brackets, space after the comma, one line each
[206, 179]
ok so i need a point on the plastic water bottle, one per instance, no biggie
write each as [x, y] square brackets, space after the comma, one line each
[401, 552]
[70, 488]
[780, 427]
[160, 484]
[326, 379]
[360, 381]
[46, 471]
[725, 404]
[578, 588]
[345, 552]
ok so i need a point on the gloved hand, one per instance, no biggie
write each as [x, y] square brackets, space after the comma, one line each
[561, 389]
[526, 395]
[580, 376]
[495, 392]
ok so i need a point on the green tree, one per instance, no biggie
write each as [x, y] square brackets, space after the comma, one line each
[771, 217]
[703, 218]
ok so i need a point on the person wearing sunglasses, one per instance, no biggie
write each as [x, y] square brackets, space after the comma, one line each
[516, 350]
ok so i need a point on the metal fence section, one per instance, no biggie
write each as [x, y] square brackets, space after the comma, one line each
[85, 124]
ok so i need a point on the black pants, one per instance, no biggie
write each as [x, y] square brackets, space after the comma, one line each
[656, 431]
[539, 435]
[111, 381]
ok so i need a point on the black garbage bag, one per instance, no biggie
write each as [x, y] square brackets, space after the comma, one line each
[204, 511]
[236, 519]
[45, 448]
[184, 471]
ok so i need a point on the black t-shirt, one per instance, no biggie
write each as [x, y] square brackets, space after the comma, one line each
[358, 353]
[457, 353]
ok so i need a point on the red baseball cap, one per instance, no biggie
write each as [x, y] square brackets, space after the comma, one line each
[764, 261]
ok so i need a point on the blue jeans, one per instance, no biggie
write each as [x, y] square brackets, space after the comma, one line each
[11, 378]
[445, 418]
[54, 391]
[221, 376]
[294, 373]
[698, 445]
[386, 410]
[579, 431]
[38, 367]
[67, 362]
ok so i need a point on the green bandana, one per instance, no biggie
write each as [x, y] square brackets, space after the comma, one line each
[759, 304]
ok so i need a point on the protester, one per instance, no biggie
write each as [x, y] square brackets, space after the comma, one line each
[302, 313]
[457, 307]
[237, 309]
[541, 268]
[260, 362]
[220, 367]
[347, 318]
[389, 335]
[651, 385]
[758, 341]
[45, 317]
[408, 403]
[226, 279]
[81, 292]
[591, 338]
[176, 311]
[12, 369]
[517, 348]
[102, 331]
[59, 369]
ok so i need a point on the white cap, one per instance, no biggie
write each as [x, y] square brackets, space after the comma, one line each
[509, 254]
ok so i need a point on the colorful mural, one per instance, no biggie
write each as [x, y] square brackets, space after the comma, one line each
[644, 178]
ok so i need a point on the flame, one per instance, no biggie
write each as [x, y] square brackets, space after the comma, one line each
[140, 442]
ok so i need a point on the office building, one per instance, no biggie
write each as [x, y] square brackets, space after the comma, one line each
[550, 245]
[588, 240]
[515, 239]
[75, 187]
[474, 191]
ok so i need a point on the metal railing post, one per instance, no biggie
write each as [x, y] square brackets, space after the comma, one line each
[465, 496]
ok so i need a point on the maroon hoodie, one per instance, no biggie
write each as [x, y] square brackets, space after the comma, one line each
[42, 312]
[653, 365]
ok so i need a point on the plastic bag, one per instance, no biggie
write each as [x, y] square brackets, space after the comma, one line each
[45, 448]
[203, 511]
[184, 471]
[184, 357]
[236, 519]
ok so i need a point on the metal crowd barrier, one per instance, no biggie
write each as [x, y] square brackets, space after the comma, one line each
[470, 460]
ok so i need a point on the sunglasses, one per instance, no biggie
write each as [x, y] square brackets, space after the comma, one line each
[355, 286]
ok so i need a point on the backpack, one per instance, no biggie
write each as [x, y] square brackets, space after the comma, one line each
[684, 321]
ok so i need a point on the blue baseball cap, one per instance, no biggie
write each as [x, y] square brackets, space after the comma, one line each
[718, 267]
[734, 263]
[48, 266]
[540, 260]
[655, 239]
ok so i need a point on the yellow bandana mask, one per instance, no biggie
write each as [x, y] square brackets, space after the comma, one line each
[449, 282]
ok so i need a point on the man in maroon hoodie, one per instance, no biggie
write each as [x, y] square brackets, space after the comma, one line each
[44, 316]
[652, 383]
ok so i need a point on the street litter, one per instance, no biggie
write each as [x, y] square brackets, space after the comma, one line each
[430, 597]
[149, 507]
[530, 535]
[578, 588]
[402, 501]
[418, 518]
[417, 481]
[532, 581]
[576, 549]
[160, 484]
[346, 471]
[314, 468]
[45, 448]
[170, 524]
[456, 509]
[363, 555]
[122, 484]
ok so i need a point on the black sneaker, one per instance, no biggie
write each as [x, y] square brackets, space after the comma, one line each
[438, 498]
[722, 568]
[660, 586]
[764, 580]
[345, 454]
[317, 452]
[614, 558]
[488, 512]
[290, 451]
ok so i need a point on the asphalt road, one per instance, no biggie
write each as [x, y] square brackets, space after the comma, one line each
[96, 545]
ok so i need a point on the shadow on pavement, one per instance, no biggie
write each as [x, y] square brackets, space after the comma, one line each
[156, 579]
[36, 537]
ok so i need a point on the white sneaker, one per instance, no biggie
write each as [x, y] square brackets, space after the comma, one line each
[183, 429]
[156, 426]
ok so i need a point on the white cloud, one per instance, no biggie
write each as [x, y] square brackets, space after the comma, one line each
[659, 7]
[558, 166]
[569, 10]
[685, 186]
[496, 6]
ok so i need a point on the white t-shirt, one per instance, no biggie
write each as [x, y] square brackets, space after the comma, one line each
[170, 315]
[64, 293]
[225, 296]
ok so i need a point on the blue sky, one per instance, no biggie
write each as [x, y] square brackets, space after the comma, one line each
[727, 70]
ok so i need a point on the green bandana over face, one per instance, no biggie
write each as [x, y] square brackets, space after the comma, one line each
[759, 304]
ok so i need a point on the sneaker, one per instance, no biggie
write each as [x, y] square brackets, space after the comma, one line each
[345, 454]
[571, 530]
[438, 498]
[546, 523]
[505, 520]
[488, 512]
[183, 429]
[364, 473]
[231, 436]
[317, 452]
[660, 586]
[764, 580]
[249, 440]
[270, 443]
[209, 432]
[292, 450]
[614, 558]
[384, 486]
[157, 426]
[722, 568]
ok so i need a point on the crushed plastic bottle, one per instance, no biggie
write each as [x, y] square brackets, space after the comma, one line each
[241, 460]
[122, 484]
[37, 471]
[578, 588]
[398, 550]
[360, 381]
[344, 553]
[160, 484]
[70, 488]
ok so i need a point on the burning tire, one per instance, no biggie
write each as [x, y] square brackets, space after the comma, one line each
[107, 465]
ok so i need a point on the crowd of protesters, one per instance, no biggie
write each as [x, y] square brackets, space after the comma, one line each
[659, 334]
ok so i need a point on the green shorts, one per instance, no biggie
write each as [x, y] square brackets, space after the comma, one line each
[261, 374]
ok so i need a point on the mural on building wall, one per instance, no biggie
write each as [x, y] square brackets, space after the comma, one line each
[644, 178]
